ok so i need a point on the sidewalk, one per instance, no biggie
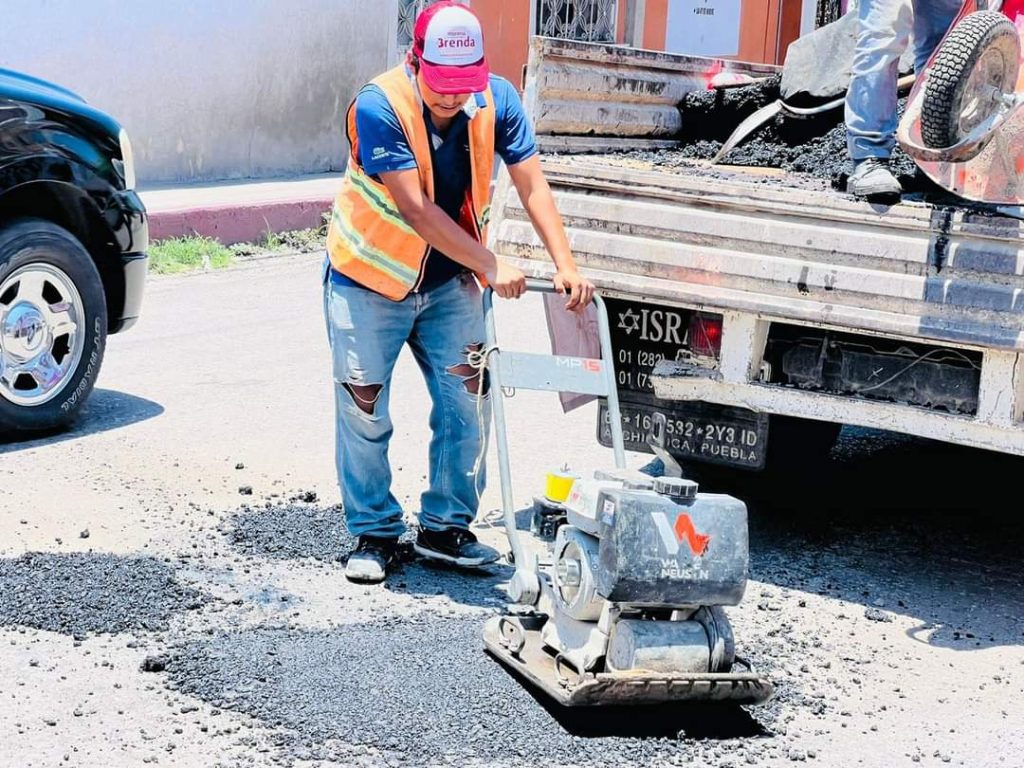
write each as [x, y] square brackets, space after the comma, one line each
[239, 211]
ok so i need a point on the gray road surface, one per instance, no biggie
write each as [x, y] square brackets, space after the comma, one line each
[885, 598]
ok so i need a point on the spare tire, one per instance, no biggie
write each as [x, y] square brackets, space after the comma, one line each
[980, 54]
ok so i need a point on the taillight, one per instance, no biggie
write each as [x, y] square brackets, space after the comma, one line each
[706, 335]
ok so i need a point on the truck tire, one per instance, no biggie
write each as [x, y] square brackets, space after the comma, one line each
[982, 50]
[53, 326]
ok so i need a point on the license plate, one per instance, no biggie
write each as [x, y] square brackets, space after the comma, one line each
[694, 431]
[642, 336]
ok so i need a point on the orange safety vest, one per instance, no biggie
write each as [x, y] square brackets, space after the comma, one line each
[368, 240]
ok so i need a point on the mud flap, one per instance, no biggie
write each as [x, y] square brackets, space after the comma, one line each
[515, 642]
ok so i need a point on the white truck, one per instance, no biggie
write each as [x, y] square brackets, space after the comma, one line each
[761, 312]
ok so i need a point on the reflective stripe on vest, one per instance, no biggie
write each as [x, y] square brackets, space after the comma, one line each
[368, 240]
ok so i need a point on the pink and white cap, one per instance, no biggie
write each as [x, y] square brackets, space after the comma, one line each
[449, 43]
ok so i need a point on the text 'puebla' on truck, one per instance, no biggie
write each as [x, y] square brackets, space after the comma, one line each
[761, 311]
[73, 241]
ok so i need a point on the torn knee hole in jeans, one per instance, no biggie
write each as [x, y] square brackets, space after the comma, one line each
[470, 374]
[365, 396]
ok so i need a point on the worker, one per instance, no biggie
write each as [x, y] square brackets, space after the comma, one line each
[406, 247]
[885, 28]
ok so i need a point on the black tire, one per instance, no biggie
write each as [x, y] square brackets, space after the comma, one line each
[987, 35]
[28, 243]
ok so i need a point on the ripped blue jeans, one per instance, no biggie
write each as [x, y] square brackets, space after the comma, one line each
[367, 333]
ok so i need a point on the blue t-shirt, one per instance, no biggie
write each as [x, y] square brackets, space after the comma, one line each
[383, 147]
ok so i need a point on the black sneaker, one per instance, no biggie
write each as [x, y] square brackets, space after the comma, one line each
[456, 546]
[370, 560]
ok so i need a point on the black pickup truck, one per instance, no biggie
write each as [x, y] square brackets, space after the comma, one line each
[73, 240]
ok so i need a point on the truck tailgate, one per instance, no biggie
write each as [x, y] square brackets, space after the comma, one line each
[722, 241]
[760, 242]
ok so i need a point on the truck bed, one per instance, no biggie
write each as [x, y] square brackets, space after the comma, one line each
[786, 260]
[763, 240]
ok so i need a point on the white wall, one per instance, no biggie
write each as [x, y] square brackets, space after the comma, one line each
[808, 12]
[211, 89]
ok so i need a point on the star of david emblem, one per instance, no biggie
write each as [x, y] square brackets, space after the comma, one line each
[629, 321]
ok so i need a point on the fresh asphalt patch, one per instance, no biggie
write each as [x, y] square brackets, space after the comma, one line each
[304, 531]
[424, 692]
[292, 530]
[85, 593]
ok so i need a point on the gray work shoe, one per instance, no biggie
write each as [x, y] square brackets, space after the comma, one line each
[456, 546]
[370, 560]
[871, 178]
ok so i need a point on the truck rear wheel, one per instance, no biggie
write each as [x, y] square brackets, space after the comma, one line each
[976, 66]
[53, 326]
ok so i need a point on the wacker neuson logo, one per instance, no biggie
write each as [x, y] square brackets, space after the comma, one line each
[672, 536]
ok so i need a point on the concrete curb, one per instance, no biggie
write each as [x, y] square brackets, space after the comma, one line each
[240, 212]
[245, 222]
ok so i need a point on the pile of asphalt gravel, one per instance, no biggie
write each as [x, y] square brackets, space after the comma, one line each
[711, 115]
[425, 693]
[814, 146]
[78, 594]
[290, 531]
[421, 690]
[298, 531]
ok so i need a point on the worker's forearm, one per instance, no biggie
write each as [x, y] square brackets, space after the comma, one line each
[439, 230]
[540, 206]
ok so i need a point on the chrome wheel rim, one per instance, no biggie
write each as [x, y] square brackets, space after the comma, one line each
[984, 91]
[41, 339]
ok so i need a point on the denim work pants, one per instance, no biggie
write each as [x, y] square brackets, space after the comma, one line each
[367, 333]
[885, 29]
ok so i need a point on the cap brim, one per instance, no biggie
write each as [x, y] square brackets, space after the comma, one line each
[470, 78]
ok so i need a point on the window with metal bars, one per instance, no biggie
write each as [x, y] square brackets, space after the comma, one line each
[828, 11]
[408, 10]
[591, 21]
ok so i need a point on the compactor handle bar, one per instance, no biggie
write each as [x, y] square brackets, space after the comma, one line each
[557, 373]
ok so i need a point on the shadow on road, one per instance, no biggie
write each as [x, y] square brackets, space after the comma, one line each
[666, 721]
[106, 410]
[467, 586]
[908, 525]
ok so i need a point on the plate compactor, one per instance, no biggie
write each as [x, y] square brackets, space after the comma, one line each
[618, 590]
